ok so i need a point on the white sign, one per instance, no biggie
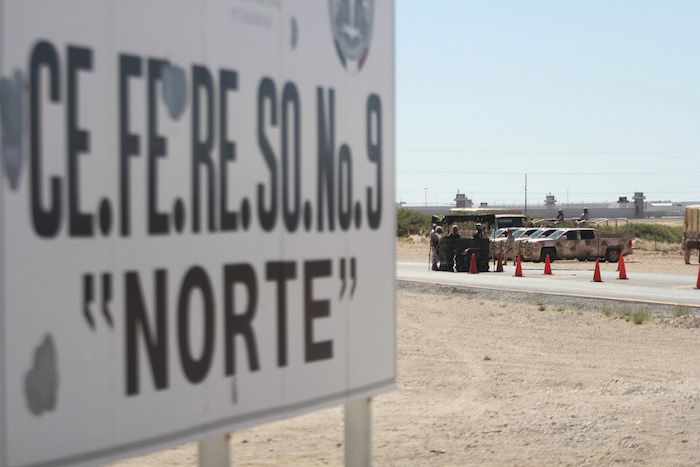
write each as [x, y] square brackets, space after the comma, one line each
[197, 219]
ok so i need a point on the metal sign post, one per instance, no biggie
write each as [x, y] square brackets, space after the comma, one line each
[214, 452]
[358, 433]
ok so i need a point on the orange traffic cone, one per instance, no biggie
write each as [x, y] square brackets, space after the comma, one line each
[472, 265]
[547, 266]
[697, 286]
[519, 269]
[499, 266]
[596, 273]
[621, 268]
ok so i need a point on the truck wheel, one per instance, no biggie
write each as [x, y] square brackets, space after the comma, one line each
[612, 255]
[548, 251]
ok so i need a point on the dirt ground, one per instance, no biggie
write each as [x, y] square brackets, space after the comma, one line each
[487, 382]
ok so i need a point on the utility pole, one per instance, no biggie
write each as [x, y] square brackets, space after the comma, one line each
[426, 196]
[525, 194]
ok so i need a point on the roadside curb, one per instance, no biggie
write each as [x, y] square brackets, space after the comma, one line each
[587, 302]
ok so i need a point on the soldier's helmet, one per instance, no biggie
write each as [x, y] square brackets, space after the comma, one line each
[585, 209]
[478, 225]
[454, 227]
[561, 210]
[438, 229]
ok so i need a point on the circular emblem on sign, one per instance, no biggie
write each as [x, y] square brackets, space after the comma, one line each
[352, 22]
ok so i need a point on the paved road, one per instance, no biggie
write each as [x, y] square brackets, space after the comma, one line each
[668, 289]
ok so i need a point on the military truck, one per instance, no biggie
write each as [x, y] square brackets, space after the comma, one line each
[499, 240]
[538, 233]
[577, 243]
[691, 231]
[497, 218]
[455, 253]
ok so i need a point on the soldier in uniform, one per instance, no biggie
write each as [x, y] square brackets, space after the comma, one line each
[560, 218]
[584, 216]
[686, 250]
[479, 231]
[435, 236]
[510, 247]
[448, 249]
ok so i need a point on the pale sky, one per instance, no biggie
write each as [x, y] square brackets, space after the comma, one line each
[592, 99]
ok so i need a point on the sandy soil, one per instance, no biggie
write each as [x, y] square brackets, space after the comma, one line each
[486, 382]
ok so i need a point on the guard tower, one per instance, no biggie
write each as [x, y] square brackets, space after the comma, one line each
[639, 205]
[461, 201]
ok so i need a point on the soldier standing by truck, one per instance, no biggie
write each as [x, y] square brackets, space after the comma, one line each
[434, 241]
[510, 244]
[691, 231]
[686, 250]
[449, 244]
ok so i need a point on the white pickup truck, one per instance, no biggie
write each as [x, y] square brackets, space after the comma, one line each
[579, 243]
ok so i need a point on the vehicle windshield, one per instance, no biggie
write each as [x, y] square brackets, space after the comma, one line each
[497, 233]
[519, 233]
[536, 233]
[527, 232]
[511, 221]
[556, 234]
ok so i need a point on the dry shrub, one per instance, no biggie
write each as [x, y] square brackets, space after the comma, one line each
[651, 245]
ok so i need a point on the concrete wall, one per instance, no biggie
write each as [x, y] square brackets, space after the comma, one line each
[596, 210]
